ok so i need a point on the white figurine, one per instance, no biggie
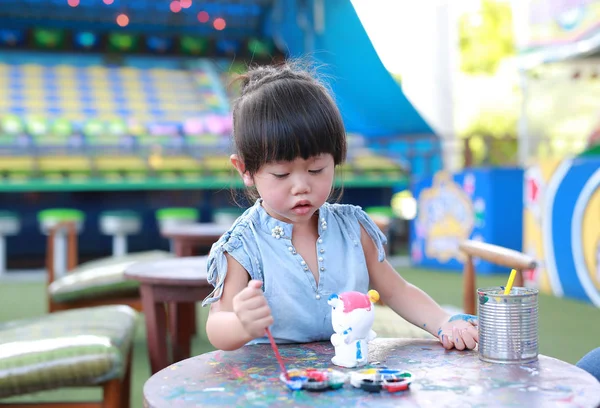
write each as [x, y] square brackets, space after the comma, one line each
[352, 316]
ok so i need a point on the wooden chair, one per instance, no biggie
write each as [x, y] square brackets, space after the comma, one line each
[495, 254]
[128, 293]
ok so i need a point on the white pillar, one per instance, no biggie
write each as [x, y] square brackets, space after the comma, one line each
[119, 245]
[523, 129]
[522, 34]
[445, 69]
[60, 253]
[428, 74]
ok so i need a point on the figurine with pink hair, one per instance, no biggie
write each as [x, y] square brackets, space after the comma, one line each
[352, 317]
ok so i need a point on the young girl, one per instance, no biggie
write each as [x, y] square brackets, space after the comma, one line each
[282, 259]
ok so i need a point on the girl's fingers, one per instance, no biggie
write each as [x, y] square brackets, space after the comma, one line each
[458, 341]
[474, 332]
[247, 294]
[446, 342]
[257, 314]
[266, 322]
[255, 284]
[460, 337]
[254, 303]
[468, 339]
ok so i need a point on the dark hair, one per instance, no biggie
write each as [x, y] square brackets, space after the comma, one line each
[284, 113]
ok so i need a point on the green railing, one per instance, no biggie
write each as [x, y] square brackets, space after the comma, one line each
[373, 180]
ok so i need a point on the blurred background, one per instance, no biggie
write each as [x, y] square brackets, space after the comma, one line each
[466, 119]
[120, 104]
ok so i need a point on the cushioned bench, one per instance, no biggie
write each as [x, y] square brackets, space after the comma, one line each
[100, 278]
[82, 347]
[93, 283]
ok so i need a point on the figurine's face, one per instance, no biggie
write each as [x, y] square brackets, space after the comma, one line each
[339, 319]
[359, 321]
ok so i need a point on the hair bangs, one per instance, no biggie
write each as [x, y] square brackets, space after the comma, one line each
[286, 120]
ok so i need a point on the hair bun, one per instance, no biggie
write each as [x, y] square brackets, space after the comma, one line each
[262, 75]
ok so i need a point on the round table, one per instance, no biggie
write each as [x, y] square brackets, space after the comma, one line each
[180, 283]
[188, 236]
[250, 377]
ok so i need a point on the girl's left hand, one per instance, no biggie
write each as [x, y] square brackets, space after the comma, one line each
[459, 331]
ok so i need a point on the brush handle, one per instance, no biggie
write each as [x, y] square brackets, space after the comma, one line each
[509, 284]
[277, 355]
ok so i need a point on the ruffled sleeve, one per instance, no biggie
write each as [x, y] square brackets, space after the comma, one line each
[373, 230]
[233, 244]
[348, 215]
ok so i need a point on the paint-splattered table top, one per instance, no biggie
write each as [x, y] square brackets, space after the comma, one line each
[250, 377]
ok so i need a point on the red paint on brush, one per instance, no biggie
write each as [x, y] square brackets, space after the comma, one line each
[277, 355]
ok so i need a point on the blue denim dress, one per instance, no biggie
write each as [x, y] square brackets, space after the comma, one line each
[263, 246]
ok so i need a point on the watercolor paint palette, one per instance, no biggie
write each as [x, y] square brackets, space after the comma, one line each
[376, 380]
[311, 379]
[370, 380]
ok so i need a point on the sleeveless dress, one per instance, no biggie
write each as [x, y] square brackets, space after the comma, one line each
[263, 246]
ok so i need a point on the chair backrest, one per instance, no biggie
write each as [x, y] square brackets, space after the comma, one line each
[498, 255]
[495, 254]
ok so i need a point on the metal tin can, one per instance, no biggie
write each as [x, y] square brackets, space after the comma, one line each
[508, 325]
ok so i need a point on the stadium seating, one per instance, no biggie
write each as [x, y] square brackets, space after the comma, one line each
[83, 118]
[80, 93]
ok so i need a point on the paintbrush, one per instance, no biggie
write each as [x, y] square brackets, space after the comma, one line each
[277, 355]
[509, 284]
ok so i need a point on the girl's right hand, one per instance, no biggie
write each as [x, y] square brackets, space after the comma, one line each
[251, 307]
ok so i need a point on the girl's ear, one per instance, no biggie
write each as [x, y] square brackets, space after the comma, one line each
[241, 168]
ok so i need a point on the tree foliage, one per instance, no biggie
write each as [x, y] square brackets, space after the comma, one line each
[486, 37]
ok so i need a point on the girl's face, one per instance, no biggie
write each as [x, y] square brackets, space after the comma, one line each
[293, 191]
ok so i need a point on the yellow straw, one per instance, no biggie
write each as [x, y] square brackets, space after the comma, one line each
[511, 279]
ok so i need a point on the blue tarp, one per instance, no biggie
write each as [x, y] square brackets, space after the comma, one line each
[371, 101]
